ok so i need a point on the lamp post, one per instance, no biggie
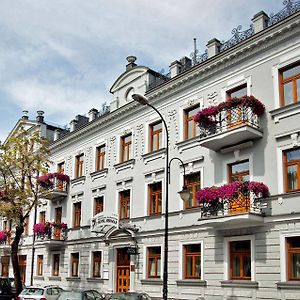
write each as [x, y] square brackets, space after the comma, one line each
[184, 194]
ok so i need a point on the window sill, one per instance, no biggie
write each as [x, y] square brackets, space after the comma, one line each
[289, 285]
[240, 284]
[188, 144]
[73, 278]
[78, 180]
[285, 111]
[52, 278]
[96, 279]
[128, 164]
[39, 277]
[152, 281]
[191, 282]
[161, 153]
[99, 174]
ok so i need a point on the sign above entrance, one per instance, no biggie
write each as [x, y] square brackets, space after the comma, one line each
[103, 222]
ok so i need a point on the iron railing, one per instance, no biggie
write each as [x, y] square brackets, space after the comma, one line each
[53, 234]
[228, 119]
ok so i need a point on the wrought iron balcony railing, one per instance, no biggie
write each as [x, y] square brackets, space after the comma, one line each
[229, 119]
[52, 233]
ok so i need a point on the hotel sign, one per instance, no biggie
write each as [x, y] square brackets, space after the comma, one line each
[103, 222]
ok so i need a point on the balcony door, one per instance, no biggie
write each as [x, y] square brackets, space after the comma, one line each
[123, 270]
[57, 230]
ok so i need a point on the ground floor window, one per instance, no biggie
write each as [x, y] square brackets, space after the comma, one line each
[293, 257]
[240, 260]
[192, 261]
[40, 263]
[55, 265]
[74, 264]
[4, 266]
[154, 262]
[97, 264]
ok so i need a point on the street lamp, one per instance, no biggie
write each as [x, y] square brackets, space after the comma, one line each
[184, 193]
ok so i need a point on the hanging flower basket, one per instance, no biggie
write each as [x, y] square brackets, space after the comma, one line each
[3, 236]
[49, 180]
[42, 230]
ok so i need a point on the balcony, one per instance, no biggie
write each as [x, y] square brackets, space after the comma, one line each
[230, 123]
[5, 245]
[233, 205]
[54, 186]
[50, 235]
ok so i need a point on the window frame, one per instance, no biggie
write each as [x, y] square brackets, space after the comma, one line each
[79, 165]
[99, 262]
[156, 257]
[97, 206]
[155, 135]
[55, 263]
[39, 265]
[185, 255]
[285, 166]
[100, 158]
[186, 121]
[193, 187]
[292, 79]
[74, 257]
[128, 146]
[121, 199]
[5, 262]
[239, 174]
[288, 259]
[61, 167]
[77, 214]
[150, 199]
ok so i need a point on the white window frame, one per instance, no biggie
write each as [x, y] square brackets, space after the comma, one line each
[227, 240]
[236, 82]
[91, 263]
[283, 253]
[181, 258]
[145, 261]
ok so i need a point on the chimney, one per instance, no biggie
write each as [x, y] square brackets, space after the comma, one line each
[185, 62]
[93, 114]
[131, 62]
[175, 68]
[40, 116]
[260, 21]
[213, 47]
[25, 115]
[73, 124]
[56, 134]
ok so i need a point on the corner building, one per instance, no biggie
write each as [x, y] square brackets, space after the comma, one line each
[116, 162]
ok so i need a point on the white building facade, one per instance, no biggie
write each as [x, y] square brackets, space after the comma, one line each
[116, 162]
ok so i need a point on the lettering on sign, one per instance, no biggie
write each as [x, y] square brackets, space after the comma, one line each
[103, 222]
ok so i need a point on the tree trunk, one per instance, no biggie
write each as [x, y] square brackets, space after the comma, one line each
[15, 260]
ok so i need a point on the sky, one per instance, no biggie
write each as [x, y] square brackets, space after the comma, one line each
[62, 56]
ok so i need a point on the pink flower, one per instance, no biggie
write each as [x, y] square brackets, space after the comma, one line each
[3, 236]
[208, 195]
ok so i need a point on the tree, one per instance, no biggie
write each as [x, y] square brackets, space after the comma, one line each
[23, 157]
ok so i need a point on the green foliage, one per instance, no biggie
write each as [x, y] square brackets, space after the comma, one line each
[23, 158]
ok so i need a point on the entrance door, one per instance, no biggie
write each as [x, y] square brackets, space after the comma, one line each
[123, 270]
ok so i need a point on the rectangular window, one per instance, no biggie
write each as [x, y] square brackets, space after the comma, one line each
[291, 159]
[39, 265]
[155, 198]
[124, 204]
[97, 264]
[154, 262]
[79, 163]
[42, 217]
[55, 265]
[293, 258]
[22, 266]
[192, 182]
[98, 205]
[155, 136]
[289, 81]
[239, 171]
[5, 266]
[74, 264]
[61, 167]
[126, 145]
[192, 261]
[100, 158]
[237, 92]
[190, 126]
[240, 260]
[77, 214]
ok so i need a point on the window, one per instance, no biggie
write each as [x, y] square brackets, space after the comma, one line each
[74, 264]
[239, 171]
[55, 265]
[192, 182]
[190, 126]
[126, 144]
[77, 214]
[154, 262]
[26, 226]
[291, 160]
[124, 204]
[5, 266]
[97, 264]
[42, 217]
[240, 260]
[79, 161]
[155, 199]
[192, 261]
[237, 92]
[293, 257]
[155, 136]
[22, 266]
[61, 167]
[98, 205]
[39, 270]
[100, 158]
[289, 81]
